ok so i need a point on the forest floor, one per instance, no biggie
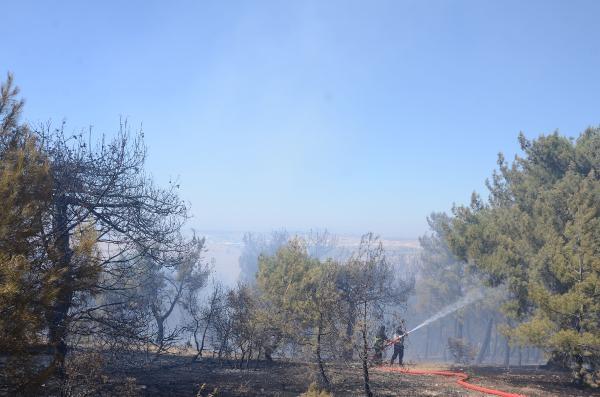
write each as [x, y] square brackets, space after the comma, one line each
[177, 377]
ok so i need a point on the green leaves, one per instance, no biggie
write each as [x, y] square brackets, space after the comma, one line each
[296, 284]
[25, 194]
[540, 235]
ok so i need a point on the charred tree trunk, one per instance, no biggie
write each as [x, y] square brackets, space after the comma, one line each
[198, 349]
[160, 332]
[323, 380]
[241, 362]
[57, 316]
[225, 340]
[347, 353]
[57, 327]
[257, 361]
[209, 318]
[365, 353]
[486, 341]
[200, 345]
[271, 344]
[161, 318]
[201, 348]
[250, 352]
[268, 353]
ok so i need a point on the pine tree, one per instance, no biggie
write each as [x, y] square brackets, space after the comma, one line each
[540, 235]
[303, 293]
[25, 193]
[71, 212]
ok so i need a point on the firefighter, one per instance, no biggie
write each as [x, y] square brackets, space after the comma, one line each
[398, 341]
[379, 345]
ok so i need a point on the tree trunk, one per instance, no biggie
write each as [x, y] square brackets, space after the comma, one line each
[57, 316]
[323, 380]
[241, 363]
[365, 354]
[250, 352]
[536, 356]
[225, 341]
[257, 360]
[486, 342]
[506, 354]
[160, 333]
[459, 326]
[348, 351]
[57, 327]
[198, 349]
[201, 348]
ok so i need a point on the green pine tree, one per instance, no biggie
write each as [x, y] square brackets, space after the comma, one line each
[25, 193]
[540, 235]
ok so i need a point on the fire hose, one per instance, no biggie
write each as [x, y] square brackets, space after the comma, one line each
[461, 377]
[461, 380]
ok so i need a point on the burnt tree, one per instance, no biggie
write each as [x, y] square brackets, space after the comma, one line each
[101, 188]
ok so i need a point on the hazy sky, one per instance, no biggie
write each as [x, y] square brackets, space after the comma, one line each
[351, 115]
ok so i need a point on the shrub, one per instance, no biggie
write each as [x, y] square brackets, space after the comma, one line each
[315, 391]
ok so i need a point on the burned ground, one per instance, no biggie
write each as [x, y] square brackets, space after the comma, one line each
[175, 376]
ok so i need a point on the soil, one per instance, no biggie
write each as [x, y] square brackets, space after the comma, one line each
[175, 376]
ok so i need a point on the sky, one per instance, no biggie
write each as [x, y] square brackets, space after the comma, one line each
[354, 116]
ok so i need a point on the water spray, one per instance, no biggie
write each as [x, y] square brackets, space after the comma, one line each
[470, 297]
[461, 377]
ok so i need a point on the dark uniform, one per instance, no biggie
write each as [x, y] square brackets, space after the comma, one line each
[398, 345]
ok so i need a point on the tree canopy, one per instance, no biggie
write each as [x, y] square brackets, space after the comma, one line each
[539, 234]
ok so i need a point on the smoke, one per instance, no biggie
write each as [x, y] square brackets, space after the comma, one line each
[470, 297]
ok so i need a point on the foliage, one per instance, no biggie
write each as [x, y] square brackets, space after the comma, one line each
[444, 278]
[302, 292]
[315, 391]
[369, 284]
[461, 350]
[204, 392]
[25, 193]
[85, 375]
[204, 316]
[74, 216]
[167, 281]
[319, 245]
[256, 245]
[540, 236]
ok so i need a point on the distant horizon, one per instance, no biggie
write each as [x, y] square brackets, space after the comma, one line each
[204, 232]
[226, 253]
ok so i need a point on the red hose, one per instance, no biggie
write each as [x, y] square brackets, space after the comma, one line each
[461, 380]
